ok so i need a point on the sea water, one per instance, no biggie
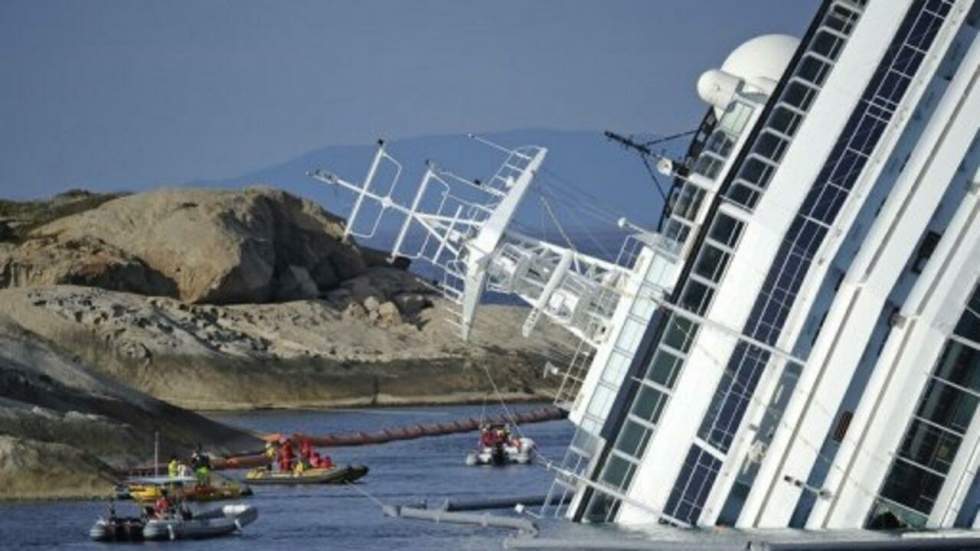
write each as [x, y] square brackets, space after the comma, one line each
[333, 517]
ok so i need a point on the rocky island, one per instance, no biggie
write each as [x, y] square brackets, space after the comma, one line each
[120, 313]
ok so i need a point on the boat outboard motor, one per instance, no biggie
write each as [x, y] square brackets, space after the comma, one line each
[499, 455]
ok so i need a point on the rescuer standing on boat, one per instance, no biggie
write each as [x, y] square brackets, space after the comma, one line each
[286, 456]
[271, 450]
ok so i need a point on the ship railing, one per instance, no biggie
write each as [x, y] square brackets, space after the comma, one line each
[574, 376]
[574, 465]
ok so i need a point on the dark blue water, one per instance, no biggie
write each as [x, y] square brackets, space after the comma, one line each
[332, 517]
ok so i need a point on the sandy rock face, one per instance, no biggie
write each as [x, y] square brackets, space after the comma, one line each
[84, 261]
[32, 469]
[208, 246]
[311, 353]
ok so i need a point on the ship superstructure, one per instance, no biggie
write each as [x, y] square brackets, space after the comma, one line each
[816, 371]
[799, 343]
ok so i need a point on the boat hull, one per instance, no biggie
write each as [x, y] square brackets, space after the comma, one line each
[210, 524]
[214, 523]
[339, 475]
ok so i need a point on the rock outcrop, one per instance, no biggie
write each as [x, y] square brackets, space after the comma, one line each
[198, 245]
[312, 353]
[65, 428]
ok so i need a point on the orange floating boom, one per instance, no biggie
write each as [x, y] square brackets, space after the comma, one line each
[410, 432]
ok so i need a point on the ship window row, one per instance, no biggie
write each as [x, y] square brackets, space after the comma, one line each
[733, 395]
[718, 147]
[792, 262]
[794, 102]
[699, 470]
[933, 437]
[669, 358]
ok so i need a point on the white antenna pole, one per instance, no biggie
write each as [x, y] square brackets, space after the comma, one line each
[367, 182]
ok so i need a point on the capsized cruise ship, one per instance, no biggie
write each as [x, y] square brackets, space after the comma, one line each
[798, 345]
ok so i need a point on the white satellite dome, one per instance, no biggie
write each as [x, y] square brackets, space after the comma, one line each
[757, 64]
[764, 58]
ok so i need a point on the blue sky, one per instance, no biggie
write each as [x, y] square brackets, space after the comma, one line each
[135, 93]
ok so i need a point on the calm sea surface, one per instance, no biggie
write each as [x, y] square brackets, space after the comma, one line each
[332, 517]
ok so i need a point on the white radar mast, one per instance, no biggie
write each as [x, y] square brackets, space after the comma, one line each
[466, 235]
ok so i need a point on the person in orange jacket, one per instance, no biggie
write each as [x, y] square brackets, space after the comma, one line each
[286, 456]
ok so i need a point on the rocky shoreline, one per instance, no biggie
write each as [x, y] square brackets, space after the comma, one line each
[123, 314]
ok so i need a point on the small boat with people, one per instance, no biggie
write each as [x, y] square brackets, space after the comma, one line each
[170, 518]
[309, 467]
[193, 482]
[216, 488]
[335, 475]
[498, 446]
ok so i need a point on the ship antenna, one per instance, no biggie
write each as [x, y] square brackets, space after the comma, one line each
[643, 149]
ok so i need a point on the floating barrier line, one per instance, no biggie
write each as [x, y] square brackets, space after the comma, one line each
[383, 436]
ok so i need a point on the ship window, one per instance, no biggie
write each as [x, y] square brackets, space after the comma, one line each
[783, 120]
[697, 296]
[616, 368]
[947, 406]
[630, 335]
[840, 19]
[720, 143]
[643, 307]
[799, 95]
[633, 439]
[960, 365]
[969, 324]
[601, 401]
[618, 471]
[726, 230]
[711, 263]
[912, 486]
[676, 231]
[930, 447]
[893, 86]
[689, 200]
[708, 165]
[663, 369]
[827, 44]
[680, 333]
[813, 69]
[735, 118]
[924, 253]
[770, 146]
[757, 172]
[743, 195]
[649, 404]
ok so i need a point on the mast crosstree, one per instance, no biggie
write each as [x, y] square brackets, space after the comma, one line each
[466, 234]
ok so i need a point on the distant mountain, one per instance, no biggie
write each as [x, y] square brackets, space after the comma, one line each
[590, 181]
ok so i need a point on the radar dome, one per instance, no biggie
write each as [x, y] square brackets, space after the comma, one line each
[756, 65]
[762, 60]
